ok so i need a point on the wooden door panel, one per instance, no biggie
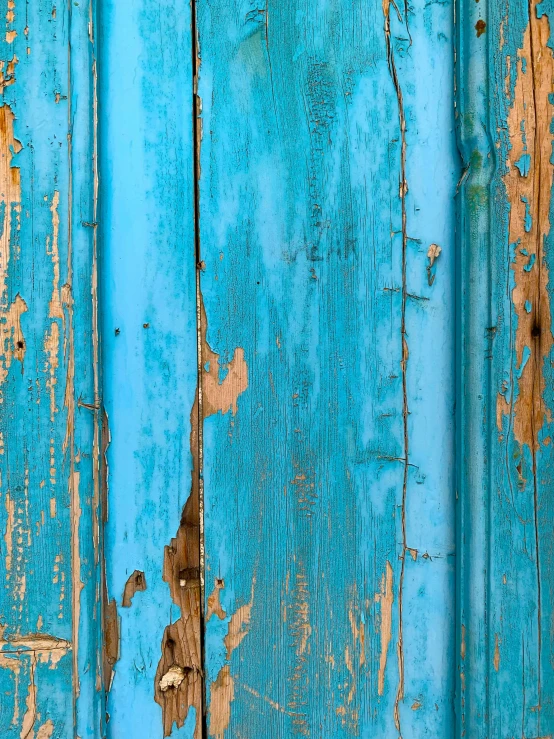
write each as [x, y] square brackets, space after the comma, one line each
[328, 452]
[276, 369]
[506, 520]
[49, 392]
[150, 366]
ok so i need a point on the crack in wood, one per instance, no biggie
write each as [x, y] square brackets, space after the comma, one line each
[403, 191]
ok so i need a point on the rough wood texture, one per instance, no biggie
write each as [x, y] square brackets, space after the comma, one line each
[252, 532]
[150, 366]
[327, 178]
[50, 672]
[506, 685]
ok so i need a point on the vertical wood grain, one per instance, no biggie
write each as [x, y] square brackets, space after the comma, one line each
[49, 433]
[149, 362]
[505, 116]
[278, 367]
[327, 177]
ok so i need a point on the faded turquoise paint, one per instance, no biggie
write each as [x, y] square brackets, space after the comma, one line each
[325, 321]
[149, 329]
[506, 523]
[49, 610]
[328, 171]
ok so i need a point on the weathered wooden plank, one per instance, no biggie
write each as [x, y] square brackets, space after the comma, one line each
[150, 367]
[506, 115]
[326, 224]
[325, 329]
[49, 610]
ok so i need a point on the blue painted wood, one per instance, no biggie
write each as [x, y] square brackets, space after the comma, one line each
[272, 438]
[506, 679]
[474, 322]
[50, 494]
[328, 172]
[148, 282]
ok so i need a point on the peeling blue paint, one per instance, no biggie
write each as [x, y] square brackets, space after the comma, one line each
[328, 162]
[303, 486]
[529, 266]
[524, 164]
[524, 359]
[528, 218]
